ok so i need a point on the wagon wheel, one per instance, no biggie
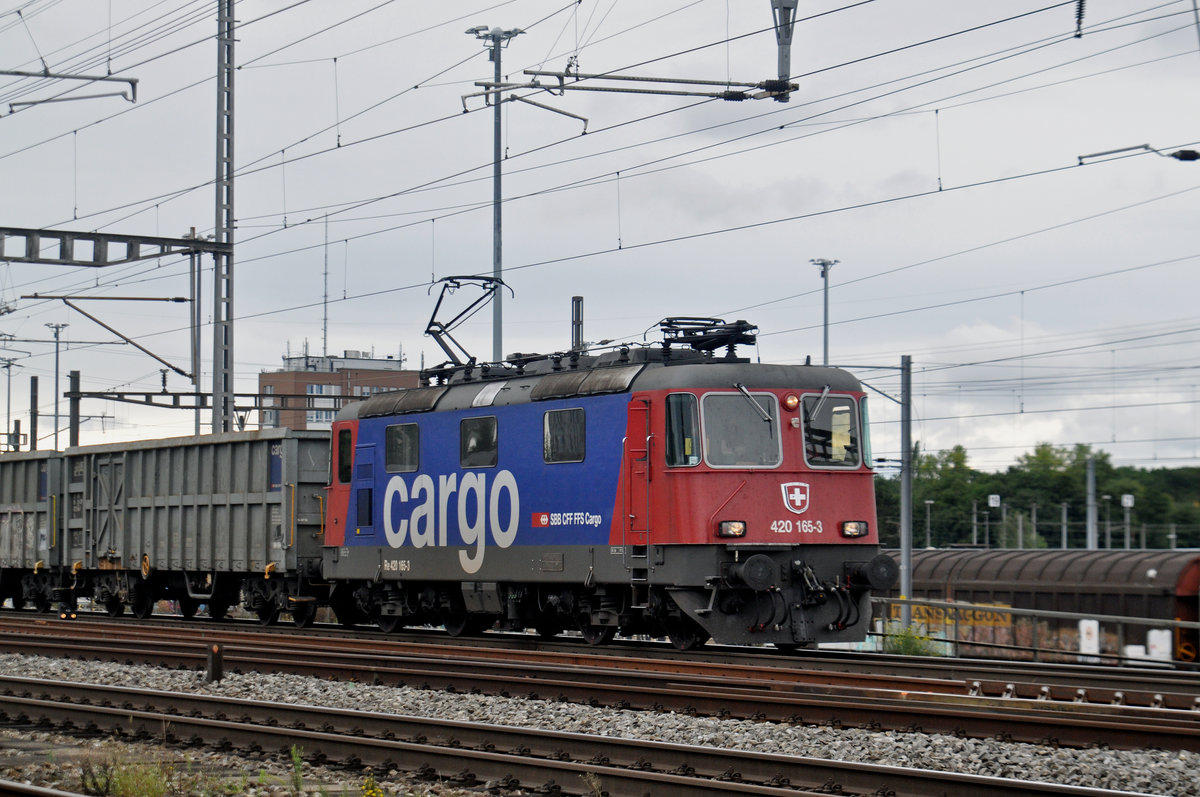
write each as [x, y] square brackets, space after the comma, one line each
[267, 615]
[114, 607]
[303, 613]
[188, 607]
[142, 604]
[42, 604]
[597, 634]
[344, 610]
[218, 609]
[685, 633]
[18, 601]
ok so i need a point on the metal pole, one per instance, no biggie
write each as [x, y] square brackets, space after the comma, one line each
[1064, 525]
[825, 266]
[1092, 542]
[194, 267]
[906, 488]
[577, 323]
[496, 38]
[1107, 521]
[497, 270]
[222, 410]
[33, 413]
[8, 439]
[928, 542]
[974, 522]
[57, 329]
[1127, 534]
[73, 408]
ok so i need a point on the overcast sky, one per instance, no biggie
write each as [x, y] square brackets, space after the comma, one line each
[932, 148]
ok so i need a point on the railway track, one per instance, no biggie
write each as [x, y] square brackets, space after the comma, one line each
[471, 754]
[683, 685]
[1151, 687]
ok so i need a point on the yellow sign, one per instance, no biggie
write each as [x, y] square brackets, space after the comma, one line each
[968, 614]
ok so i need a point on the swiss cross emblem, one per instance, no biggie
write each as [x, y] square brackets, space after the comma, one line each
[795, 497]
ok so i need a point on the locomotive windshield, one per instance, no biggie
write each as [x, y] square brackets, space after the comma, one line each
[831, 431]
[736, 435]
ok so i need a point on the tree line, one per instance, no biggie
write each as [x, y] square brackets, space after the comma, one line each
[1165, 512]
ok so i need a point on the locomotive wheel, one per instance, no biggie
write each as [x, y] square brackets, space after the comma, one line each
[464, 624]
[597, 634]
[188, 607]
[113, 607]
[548, 629]
[303, 613]
[685, 633]
[387, 623]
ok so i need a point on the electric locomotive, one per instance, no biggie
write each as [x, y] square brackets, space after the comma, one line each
[671, 489]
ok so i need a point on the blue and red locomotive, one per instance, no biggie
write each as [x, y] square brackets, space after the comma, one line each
[669, 489]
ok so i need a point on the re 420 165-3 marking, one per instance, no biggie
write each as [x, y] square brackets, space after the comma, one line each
[802, 526]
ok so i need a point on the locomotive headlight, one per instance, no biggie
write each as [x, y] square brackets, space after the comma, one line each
[855, 528]
[790, 402]
[732, 528]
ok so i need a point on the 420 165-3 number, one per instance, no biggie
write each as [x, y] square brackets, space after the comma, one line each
[802, 526]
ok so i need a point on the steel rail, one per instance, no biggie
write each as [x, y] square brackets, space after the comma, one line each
[1071, 683]
[470, 754]
[1038, 722]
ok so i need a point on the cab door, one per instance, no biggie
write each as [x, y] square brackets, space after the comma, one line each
[363, 493]
[636, 489]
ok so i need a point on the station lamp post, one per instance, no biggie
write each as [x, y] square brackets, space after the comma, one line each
[1107, 499]
[825, 266]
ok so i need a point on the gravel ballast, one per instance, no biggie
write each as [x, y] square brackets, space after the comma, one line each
[1145, 771]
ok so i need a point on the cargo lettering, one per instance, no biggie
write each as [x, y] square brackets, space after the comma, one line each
[477, 510]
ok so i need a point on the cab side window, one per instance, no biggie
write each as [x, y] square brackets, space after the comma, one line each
[477, 442]
[683, 431]
[401, 448]
[563, 435]
[345, 456]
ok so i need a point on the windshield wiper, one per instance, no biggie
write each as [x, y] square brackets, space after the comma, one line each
[808, 416]
[766, 416]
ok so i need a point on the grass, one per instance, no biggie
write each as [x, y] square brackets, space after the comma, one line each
[904, 641]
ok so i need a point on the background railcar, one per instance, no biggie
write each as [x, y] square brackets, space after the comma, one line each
[30, 499]
[646, 490]
[209, 520]
[1153, 584]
